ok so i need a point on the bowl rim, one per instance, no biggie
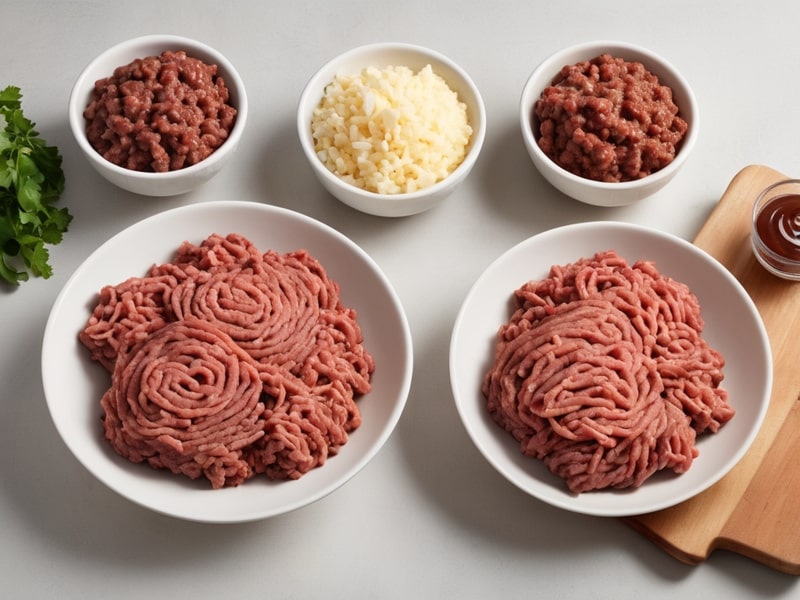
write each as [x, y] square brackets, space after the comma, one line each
[654, 63]
[309, 96]
[82, 86]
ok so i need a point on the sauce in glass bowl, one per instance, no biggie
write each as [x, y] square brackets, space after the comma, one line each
[775, 230]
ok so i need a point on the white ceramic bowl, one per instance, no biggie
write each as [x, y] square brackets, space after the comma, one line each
[595, 192]
[723, 301]
[156, 184]
[383, 55]
[73, 384]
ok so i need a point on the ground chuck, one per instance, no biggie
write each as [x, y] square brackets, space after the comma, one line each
[228, 363]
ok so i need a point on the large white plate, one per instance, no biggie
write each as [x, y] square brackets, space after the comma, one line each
[732, 326]
[73, 384]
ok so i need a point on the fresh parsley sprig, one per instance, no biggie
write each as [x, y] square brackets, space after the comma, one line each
[31, 180]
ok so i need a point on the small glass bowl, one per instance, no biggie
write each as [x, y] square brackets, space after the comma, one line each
[775, 229]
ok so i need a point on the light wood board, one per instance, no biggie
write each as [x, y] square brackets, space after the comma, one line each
[755, 509]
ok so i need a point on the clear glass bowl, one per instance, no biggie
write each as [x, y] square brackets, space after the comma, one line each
[775, 229]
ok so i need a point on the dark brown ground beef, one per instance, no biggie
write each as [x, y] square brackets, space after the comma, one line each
[609, 120]
[159, 113]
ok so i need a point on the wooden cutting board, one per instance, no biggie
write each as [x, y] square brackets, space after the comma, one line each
[755, 509]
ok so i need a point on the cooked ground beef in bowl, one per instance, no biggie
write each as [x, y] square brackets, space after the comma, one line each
[609, 120]
[160, 113]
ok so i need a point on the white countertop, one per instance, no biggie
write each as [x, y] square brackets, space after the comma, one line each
[428, 517]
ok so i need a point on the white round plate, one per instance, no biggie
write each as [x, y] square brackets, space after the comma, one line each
[732, 326]
[73, 384]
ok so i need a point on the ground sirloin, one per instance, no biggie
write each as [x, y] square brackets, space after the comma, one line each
[391, 130]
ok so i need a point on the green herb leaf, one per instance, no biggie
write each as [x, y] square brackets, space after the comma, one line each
[31, 181]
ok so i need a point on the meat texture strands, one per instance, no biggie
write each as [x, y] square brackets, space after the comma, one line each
[602, 372]
[227, 363]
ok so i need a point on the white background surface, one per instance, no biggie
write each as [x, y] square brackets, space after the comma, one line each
[428, 518]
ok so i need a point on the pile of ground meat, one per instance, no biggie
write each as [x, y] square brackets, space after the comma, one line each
[609, 120]
[227, 363]
[160, 113]
[602, 373]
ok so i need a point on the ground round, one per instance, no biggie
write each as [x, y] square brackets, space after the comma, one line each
[748, 368]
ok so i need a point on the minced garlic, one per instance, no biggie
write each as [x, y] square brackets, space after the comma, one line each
[391, 130]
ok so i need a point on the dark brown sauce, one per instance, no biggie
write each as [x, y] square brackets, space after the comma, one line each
[778, 225]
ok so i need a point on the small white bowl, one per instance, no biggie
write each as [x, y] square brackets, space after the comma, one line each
[383, 55]
[146, 183]
[596, 192]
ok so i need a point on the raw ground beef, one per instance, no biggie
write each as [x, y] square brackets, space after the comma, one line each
[602, 373]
